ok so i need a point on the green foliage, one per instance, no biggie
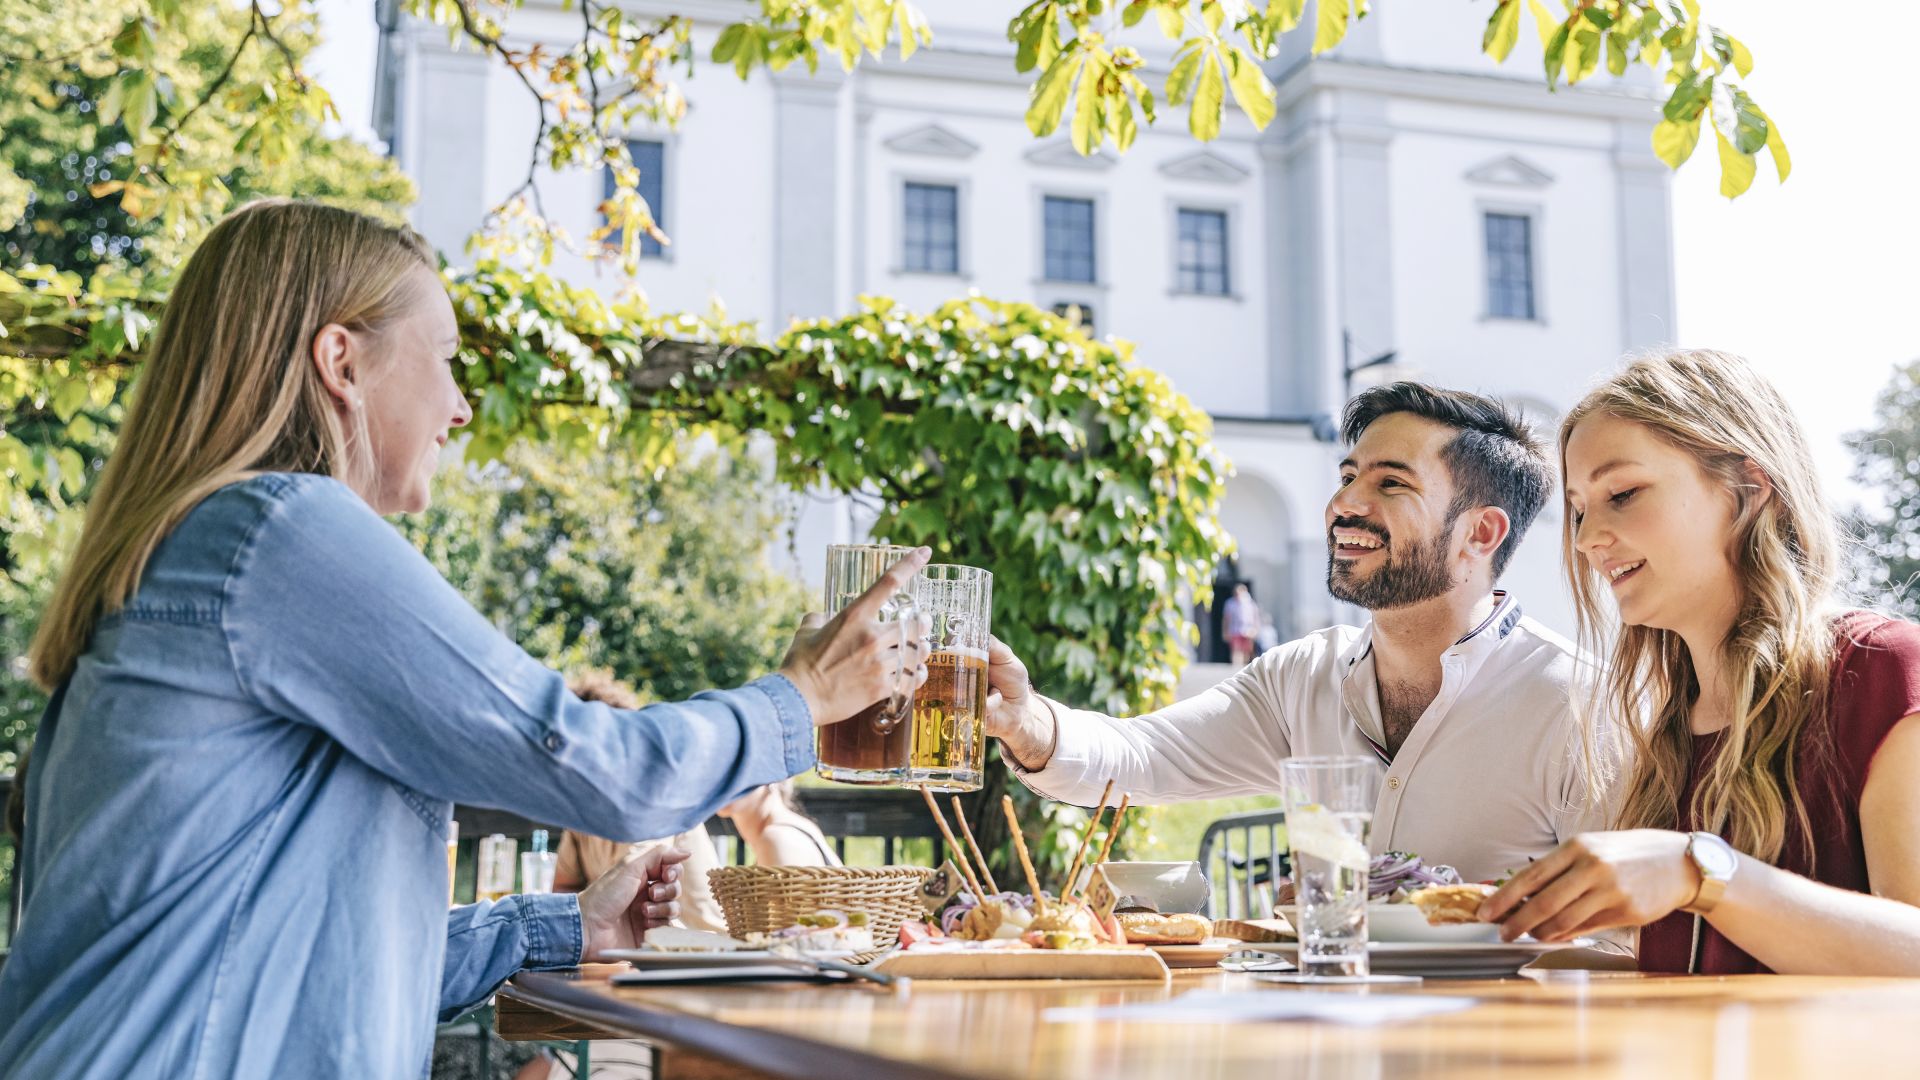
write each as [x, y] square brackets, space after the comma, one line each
[585, 560]
[999, 434]
[115, 157]
[1886, 565]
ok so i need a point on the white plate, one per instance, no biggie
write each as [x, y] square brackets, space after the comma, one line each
[1458, 960]
[1405, 923]
[663, 959]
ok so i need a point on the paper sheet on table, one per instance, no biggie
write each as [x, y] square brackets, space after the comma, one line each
[1250, 1006]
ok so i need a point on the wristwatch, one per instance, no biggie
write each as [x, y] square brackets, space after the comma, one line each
[1716, 860]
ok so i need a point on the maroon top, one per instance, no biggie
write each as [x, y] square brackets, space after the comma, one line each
[1876, 684]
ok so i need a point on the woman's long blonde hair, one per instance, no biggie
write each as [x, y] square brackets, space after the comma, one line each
[228, 390]
[1785, 552]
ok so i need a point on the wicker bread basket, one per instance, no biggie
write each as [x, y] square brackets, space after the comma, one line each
[762, 899]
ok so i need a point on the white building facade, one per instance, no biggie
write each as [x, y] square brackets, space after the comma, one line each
[1409, 197]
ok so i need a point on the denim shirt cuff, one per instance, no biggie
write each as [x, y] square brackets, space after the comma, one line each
[550, 924]
[795, 718]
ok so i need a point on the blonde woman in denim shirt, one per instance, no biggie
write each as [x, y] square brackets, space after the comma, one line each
[265, 702]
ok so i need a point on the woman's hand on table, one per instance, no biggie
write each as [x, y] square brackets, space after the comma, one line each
[635, 896]
[1595, 881]
[844, 664]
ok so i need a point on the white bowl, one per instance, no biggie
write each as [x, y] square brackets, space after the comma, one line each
[1168, 886]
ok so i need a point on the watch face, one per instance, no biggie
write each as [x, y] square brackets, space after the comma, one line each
[1714, 856]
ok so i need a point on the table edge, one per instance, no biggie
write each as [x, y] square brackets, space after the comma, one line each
[773, 1052]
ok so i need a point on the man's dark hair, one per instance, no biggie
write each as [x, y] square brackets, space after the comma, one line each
[1496, 460]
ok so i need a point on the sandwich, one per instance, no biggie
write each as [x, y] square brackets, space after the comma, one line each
[1450, 905]
[1149, 928]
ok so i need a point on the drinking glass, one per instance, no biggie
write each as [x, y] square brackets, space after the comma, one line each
[493, 874]
[536, 871]
[874, 746]
[1329, 802]
[950, 708]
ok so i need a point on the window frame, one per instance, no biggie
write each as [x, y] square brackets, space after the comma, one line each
[962, 251]
[1230, 213]
[1534, 215]
[1098, 199]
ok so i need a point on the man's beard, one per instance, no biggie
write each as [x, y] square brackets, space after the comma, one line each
[1418, 575]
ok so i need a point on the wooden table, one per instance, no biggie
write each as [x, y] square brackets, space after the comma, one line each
[1559, 1024]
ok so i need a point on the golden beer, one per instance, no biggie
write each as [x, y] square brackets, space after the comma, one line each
[950, 710]
[949, 721]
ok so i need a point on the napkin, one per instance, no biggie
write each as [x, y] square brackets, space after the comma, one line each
[1250, 1006]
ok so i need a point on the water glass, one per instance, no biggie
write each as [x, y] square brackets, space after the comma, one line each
[1329, 803]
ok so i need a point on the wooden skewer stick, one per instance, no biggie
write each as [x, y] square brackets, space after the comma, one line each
[966, 831]
[1093, 826]
[1119, 817]
[966, 870]
[1020, 849]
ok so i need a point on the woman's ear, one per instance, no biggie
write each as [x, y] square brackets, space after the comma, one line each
[1759, 484]
[334, 355]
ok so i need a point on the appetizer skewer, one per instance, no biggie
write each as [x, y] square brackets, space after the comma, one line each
[1093, 826]
[1119, 819]
[973, 846]
[966, 868]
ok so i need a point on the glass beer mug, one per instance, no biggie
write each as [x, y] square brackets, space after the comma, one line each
[950, 709]
[874, 746]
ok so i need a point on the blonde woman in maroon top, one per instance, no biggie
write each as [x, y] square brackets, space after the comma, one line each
[1771, 818]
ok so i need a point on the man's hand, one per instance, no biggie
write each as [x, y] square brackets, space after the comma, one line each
[619, 908]
[1015, 714]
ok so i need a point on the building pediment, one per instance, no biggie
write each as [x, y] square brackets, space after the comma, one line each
[1207, 167]
[1510, 171]
[932, 140]
[1060, 154]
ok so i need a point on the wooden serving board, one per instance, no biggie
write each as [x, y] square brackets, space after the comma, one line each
[1026, 964]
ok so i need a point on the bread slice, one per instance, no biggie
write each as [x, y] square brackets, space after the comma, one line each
[1450, 905]
[1147, 928]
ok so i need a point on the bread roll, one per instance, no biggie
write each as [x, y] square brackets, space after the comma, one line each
[1146, 928]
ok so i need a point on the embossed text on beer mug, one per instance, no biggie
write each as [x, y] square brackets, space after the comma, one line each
[873, 747]
[950, 708]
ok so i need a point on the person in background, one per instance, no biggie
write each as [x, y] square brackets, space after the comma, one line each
[1268, 637]
[776, 831]
[1242, 622]
[583, 857]
[1771, 819]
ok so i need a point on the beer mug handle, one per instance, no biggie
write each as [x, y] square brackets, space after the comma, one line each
[901, 611]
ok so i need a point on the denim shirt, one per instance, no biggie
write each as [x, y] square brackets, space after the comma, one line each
[235, 860]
